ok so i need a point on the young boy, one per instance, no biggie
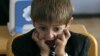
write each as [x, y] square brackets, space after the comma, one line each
[51, 35]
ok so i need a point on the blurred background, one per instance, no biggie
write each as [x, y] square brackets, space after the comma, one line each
[86, 12]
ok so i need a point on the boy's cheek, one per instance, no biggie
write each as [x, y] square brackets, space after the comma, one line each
[41, 36]
[40, 33]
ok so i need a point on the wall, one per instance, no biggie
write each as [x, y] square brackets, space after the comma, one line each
[86, 6]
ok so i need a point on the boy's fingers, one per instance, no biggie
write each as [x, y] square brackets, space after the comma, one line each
[35, 36]
[67, 33]
[61, 37]
[42, 41]
[57, 41]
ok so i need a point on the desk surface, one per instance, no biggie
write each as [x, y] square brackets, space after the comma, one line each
[4, 36]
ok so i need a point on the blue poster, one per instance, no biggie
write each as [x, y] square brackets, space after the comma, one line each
[22, 15]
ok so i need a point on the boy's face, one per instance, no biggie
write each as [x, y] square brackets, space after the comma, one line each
[49, 31]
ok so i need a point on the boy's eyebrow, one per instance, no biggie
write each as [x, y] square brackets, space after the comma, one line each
[46, 25]
[41, 25]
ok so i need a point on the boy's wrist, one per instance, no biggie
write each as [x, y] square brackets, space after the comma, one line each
[62, 53]
[65, 54]
[44, 54]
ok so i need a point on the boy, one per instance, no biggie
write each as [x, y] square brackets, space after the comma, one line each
[51, 36]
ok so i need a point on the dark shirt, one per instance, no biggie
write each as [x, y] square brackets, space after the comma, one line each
[77, 45]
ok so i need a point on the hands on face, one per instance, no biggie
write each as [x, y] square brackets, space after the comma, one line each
[41, 43]
[60, 43]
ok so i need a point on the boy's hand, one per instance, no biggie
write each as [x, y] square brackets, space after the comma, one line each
[41, 43]
[61, 42]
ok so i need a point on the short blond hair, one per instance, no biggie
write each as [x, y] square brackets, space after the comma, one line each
[51, 10]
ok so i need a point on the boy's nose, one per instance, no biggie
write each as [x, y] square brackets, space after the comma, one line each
[49, 35]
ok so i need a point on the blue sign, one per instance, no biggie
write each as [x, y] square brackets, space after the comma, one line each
[22, 15]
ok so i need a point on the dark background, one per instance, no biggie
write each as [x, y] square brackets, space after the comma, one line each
[4, 12]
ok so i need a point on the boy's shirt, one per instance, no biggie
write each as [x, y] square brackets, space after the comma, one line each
[78, 45]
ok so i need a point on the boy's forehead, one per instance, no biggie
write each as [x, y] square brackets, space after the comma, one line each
[48, 23]
[53, 23]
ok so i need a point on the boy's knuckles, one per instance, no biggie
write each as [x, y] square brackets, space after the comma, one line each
[35, 36]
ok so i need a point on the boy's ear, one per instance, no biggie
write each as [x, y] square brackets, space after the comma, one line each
[69, 22]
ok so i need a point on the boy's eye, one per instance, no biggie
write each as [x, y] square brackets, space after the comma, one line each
[56, 29]
[43, 28]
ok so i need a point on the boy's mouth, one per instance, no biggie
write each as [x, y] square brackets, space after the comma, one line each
[50, 43]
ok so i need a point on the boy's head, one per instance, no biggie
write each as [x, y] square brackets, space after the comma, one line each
[59, 11]
[50, 16]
